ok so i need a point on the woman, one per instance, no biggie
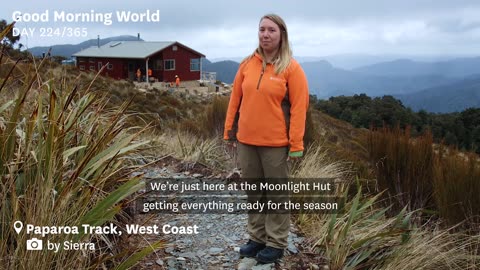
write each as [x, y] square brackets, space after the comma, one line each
[268, 104]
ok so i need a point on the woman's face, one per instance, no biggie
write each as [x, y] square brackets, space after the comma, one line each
[269, 35]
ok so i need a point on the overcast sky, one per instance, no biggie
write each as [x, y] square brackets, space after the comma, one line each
[316, 28]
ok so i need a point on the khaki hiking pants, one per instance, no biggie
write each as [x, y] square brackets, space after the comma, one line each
[262, 164]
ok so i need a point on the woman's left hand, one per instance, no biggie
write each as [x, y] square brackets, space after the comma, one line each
[289, 158]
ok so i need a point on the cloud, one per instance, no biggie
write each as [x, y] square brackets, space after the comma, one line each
[316, 28]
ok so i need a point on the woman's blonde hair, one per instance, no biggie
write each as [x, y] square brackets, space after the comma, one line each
[284, 54]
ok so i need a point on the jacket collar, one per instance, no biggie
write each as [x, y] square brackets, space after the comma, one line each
[258, 56]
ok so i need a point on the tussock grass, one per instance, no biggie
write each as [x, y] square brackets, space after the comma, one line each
[456, 184]
[359, 235]
[310, 137]
[418, 175]
[189, 148]
[344, 143]
[208, 121]
[213, 120]
[317, 163]
[156, 108]
[363, 237]
[404, 168]
[434, 249]
[62, 162]
[317, 166]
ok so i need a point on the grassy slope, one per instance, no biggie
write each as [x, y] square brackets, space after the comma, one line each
[338, 141]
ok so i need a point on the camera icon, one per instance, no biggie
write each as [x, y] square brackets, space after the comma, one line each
[34, 244]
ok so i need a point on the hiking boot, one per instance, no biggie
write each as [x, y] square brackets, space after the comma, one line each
[269, 255]
[251, 249]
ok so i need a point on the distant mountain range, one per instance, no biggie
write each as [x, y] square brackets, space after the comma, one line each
[442, 86]
[456, 68]
[352, 61]
[67, 50]
[326, 80]
[456, 96]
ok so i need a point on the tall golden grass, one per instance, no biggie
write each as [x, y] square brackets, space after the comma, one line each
[362, 235]
[456, 183]
[420, 175]
[404, 167]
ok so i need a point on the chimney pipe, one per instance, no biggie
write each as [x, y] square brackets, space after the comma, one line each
[138, 36]
[98, 41]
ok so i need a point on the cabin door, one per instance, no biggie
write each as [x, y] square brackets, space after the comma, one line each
[131, 71]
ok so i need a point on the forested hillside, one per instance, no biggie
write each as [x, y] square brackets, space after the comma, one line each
[461, 129]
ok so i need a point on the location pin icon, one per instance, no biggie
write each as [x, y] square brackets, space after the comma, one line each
[18, 226]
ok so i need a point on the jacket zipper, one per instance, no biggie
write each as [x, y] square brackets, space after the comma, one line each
[260, 79]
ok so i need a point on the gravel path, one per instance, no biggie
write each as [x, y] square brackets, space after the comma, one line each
[219, 235]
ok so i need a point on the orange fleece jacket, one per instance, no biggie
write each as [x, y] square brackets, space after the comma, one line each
[259, 95]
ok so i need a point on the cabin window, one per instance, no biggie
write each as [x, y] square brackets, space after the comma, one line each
[92, 68]
[169, 64]
[82, 67]
[174, 48]
[110, 67]
[195, 64]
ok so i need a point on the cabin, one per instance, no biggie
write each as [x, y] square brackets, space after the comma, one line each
[125, 58]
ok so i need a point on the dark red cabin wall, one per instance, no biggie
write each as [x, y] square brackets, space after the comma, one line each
[182, 58]
[118, 71]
